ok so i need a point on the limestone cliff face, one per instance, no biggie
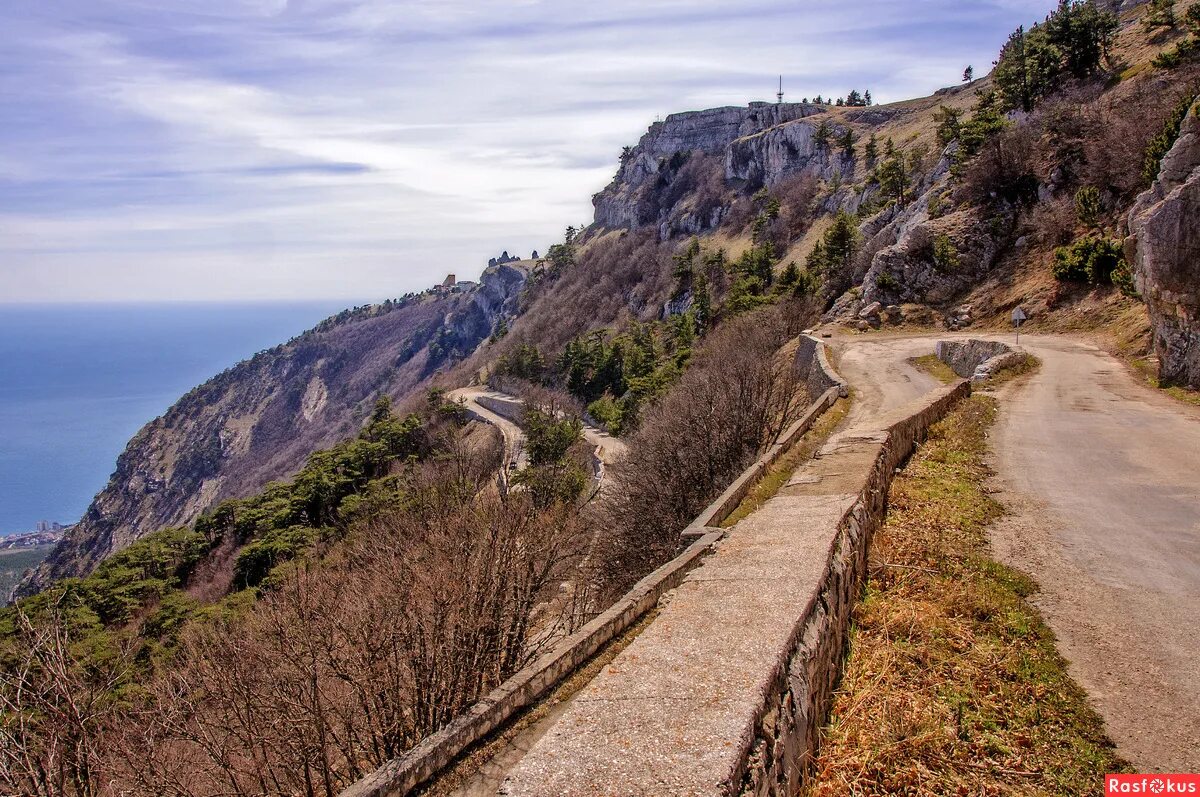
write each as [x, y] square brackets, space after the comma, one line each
[259, 421]
[1164, 249]
[678, 176]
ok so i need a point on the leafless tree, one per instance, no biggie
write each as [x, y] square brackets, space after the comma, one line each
[53, 709]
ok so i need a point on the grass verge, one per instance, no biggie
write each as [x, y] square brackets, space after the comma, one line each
[953, 684]
[779, 473]
[930, 364]
[1149, 374]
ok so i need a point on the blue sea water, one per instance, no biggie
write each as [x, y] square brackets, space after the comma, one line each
[77, 381]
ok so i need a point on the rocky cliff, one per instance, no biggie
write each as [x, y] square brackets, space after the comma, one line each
[678, 176]
[259, 421]
[1164, 249]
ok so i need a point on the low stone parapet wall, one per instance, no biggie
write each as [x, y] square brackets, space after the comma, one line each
[978, 360]
[779, 761]
[812, 361]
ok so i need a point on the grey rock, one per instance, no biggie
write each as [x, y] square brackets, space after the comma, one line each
[871, 309]
[1163, 249]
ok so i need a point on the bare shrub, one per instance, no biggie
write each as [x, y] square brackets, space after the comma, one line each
[346, 664]
[1004, 170]
[1053, 223]
[733, 401]
[54, 711]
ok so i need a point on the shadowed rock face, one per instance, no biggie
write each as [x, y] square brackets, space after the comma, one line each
[1163, 248]
[259, 421]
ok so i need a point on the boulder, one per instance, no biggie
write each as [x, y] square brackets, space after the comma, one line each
[870, 310]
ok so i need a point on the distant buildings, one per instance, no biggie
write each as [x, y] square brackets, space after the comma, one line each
[43, 526]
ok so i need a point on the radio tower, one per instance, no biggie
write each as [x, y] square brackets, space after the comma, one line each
[779, 96]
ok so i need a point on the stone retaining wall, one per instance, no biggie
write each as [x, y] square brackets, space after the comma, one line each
[781, 756]
[401, 775]
[812, 361]
[978, 360]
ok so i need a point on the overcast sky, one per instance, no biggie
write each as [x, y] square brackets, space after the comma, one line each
[359, 149]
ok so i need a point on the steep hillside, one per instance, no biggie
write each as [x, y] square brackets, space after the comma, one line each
[258, 421]
[944, 211]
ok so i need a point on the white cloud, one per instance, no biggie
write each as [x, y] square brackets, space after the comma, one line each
[350, 147]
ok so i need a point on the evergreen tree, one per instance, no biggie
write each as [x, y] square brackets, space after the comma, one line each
[1073, 41]
[892, 177]
[846, 142]
[948, 123]
[968, 74]
[1011, 74]
[1087, 205]
[701, 303]
[871, 150]
[1159, 13]
[867, 98]
[822, 135]
[840, 241]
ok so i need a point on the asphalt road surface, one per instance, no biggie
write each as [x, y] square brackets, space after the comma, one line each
[1101, 476]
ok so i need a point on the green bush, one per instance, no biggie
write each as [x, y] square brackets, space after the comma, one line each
[607, 412]
[1092, 259]
[945, 253]
[1087, 205]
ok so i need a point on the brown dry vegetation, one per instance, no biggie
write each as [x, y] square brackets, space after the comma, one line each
[341, 666]
[733, 401]
[953, 684]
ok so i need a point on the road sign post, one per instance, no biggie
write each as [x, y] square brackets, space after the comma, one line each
[1018, 318]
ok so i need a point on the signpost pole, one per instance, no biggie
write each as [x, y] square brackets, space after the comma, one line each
[1018, 318]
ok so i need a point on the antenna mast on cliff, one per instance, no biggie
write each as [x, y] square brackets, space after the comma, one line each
[779, 96]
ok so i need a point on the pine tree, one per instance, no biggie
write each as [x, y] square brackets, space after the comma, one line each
[948, 124]
[701, 303]
[822, 134]
[968, 74]
[871, 150]
[1161, 14]
[867, 99]
[846, 142]
[892, 176]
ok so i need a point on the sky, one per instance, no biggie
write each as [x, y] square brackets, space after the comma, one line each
[325, 149]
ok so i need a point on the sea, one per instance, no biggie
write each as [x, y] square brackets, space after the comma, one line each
[78, 380]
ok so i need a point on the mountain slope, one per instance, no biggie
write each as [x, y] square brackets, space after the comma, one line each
[259, 421]
[947, 210]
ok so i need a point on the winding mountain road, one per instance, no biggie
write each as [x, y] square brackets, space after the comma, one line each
[500, 410]
[1101, 477]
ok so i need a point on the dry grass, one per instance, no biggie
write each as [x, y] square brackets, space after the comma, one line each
[786, 465]
[953, 685]
[930, 364]
[1146, 368]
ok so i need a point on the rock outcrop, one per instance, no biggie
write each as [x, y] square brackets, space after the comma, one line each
[1163, 249]
[677, 176]
[259, 421]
